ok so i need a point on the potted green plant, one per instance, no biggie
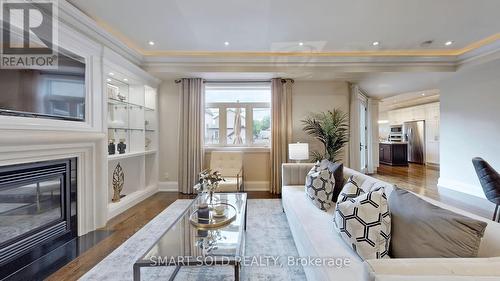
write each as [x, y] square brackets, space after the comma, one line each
[331, 128]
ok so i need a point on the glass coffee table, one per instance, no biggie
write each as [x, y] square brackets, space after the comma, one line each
[184, 244]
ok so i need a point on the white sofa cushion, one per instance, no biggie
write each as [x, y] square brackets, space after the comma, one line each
[314, 236]
[433, 269]
[364, 222]
[319, 188]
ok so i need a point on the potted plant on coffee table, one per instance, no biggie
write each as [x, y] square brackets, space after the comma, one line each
[208, 182]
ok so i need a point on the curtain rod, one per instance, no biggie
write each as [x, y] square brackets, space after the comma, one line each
[236, 81]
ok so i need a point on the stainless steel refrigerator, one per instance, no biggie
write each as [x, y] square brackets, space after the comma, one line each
[414, 135]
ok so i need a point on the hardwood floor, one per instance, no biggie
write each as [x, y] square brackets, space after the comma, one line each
[123, 227]
[423, 180]
[417, 178]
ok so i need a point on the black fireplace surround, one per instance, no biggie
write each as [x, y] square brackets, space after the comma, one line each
[37, 211]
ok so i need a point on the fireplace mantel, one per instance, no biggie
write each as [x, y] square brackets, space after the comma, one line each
[21, 146]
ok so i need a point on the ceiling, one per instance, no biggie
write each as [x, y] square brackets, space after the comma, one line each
[199, 29]
[387, 84]
[280, 25]
[408, 100]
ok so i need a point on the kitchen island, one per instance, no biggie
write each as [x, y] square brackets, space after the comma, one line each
[393, 153]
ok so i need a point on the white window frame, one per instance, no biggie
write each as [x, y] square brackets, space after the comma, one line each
[248, 106]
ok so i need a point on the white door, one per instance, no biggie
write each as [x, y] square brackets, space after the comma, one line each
[363, 137]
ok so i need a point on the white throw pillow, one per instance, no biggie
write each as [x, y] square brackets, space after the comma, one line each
[319, 188]
[350, 190]
[364, 222]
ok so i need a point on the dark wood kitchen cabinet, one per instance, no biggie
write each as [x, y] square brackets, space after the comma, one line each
[394, 154]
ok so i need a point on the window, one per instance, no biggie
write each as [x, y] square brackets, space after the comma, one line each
[237, 114]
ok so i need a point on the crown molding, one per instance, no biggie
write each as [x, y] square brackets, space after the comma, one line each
[345, 61]
[76, 19]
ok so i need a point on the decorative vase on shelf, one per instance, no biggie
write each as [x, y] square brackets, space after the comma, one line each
[111, 147]
[118, 181]
[121, 146]
[120, 97]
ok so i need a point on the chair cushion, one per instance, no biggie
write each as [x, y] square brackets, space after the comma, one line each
[364, 222]
[424, 230]
[228, 163]
[231, 184]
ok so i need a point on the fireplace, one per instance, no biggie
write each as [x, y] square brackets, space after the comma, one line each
[37, 211]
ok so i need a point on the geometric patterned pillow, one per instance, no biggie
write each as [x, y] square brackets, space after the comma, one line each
[350, 190]
[319, 188]
[364, 222]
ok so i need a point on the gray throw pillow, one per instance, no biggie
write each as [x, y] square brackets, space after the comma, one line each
[423, 230]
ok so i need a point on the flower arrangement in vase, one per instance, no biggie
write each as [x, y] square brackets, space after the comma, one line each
[208, 182]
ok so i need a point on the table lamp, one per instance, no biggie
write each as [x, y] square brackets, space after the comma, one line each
[298, 151]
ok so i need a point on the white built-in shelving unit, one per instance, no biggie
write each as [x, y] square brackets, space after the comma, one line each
[132, 117]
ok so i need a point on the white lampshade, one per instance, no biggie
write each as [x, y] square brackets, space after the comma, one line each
[298, 151]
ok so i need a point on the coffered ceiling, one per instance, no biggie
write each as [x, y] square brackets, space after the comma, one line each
[387, 46]
[296, 25]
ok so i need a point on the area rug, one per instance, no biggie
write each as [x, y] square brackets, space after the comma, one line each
[268, 235]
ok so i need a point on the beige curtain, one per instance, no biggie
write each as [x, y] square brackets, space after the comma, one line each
[190, 133]
[281, 128]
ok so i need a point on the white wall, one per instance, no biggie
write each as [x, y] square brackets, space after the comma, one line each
[169, 131]
[316, 96]
[470, 125]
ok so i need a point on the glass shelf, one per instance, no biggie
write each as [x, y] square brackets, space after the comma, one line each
[149, 109]
[125, 103]
[125, 129]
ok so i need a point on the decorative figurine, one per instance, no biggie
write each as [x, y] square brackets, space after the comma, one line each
[111, 147]
[118, 181]
[121, 146]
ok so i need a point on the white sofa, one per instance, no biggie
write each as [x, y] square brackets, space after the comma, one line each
[314, 236]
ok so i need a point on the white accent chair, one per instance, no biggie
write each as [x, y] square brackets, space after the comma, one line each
[230, 165]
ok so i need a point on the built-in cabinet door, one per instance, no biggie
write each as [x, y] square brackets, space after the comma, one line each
[417, 113]
[432, 152]
[432, 112]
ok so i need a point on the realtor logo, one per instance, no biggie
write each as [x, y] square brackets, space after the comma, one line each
[29, 34]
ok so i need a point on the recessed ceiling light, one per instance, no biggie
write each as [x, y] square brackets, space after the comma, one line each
[426, 43]
[376, 43]
[226, 43]
[423, 94]
[448, 43]
[301, 43]
[151, 43]
[109, 80]
[111, 73]
[125, 79]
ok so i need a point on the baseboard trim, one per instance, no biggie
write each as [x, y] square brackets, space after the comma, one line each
[433, 166]
[168, 186]
[461, 187]
[257, 186]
